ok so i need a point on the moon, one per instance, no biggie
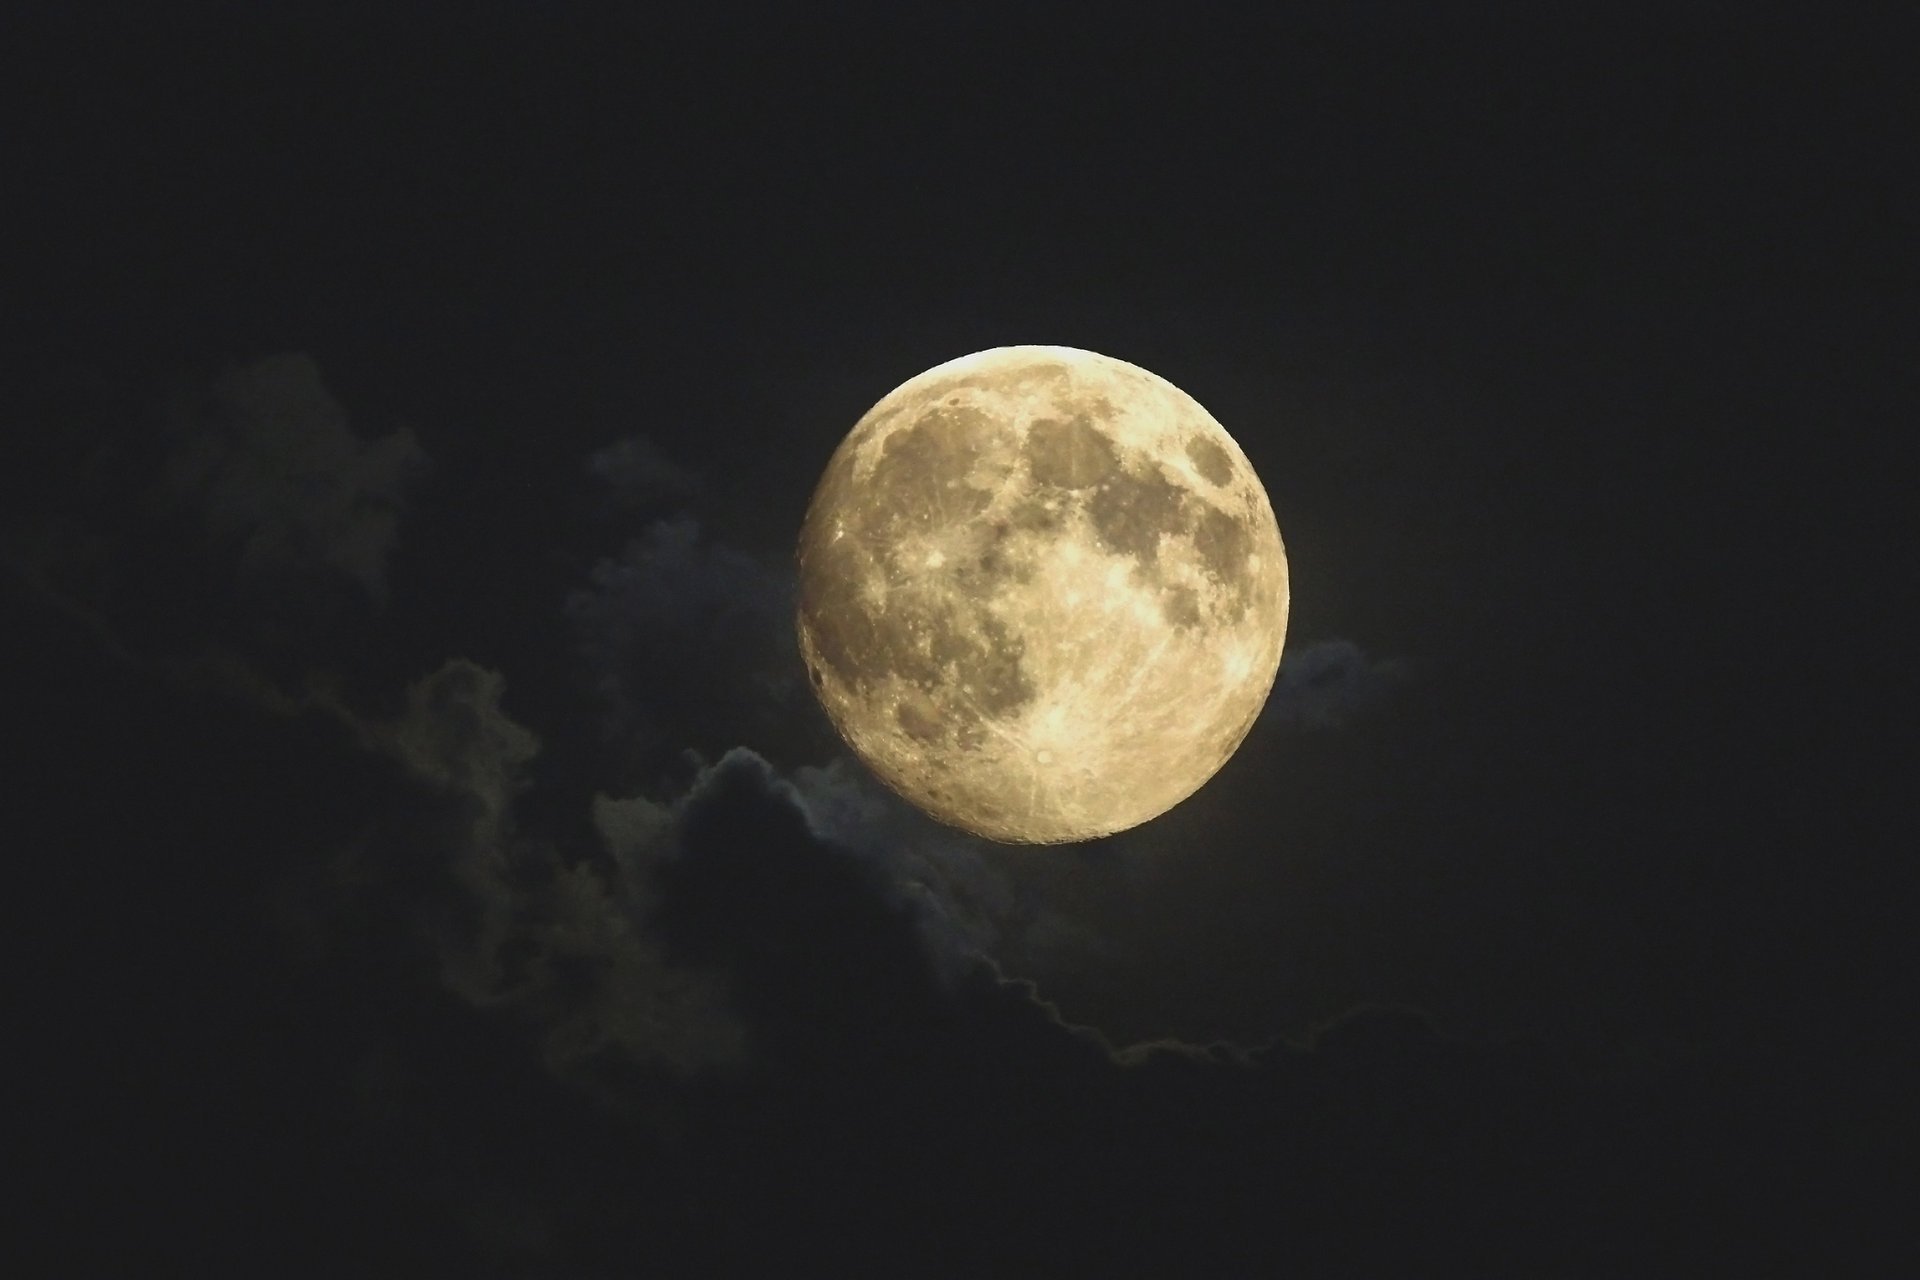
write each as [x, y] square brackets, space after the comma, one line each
[1042, 593]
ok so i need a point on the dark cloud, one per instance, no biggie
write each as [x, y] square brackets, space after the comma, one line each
[636, 476]
[245, 518]
[558, 940]
[956, 1124]
[621, 950]
[660, 950]
[965, 905]
[1331, 684]
[813, 952]
[276, 472]
[723, 922]
[688, 642]
[732, 969]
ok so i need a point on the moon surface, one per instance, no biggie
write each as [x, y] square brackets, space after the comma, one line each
[1042, 593]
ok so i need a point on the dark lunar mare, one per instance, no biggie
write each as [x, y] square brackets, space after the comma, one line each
[1132, 506]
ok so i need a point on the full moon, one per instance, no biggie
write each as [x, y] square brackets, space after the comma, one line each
[1042, 593]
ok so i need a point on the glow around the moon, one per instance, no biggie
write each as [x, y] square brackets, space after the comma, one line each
[1042, 593]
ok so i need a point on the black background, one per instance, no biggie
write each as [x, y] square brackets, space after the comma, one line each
[1562, 344]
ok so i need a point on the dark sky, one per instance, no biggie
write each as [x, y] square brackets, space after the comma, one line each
[430, 861]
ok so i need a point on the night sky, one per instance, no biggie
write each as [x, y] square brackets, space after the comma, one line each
[428, 858]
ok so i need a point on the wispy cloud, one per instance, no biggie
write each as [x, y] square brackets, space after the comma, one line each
[1331, 684]
[276, 472]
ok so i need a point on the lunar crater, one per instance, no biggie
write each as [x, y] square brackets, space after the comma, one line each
[1210, 460]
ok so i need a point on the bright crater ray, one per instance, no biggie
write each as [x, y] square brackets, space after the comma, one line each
[1042, 593]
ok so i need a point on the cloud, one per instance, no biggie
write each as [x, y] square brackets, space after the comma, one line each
[830, 910]
[1331, 684]
[275, 470]
[749, 917]
[813, 950]
[967, 910]
[559, 941]
[688, 641]
[454, 733]
[901, 1092]
[729, 958]
[958, 898]
[752, 916]
[637, 476]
